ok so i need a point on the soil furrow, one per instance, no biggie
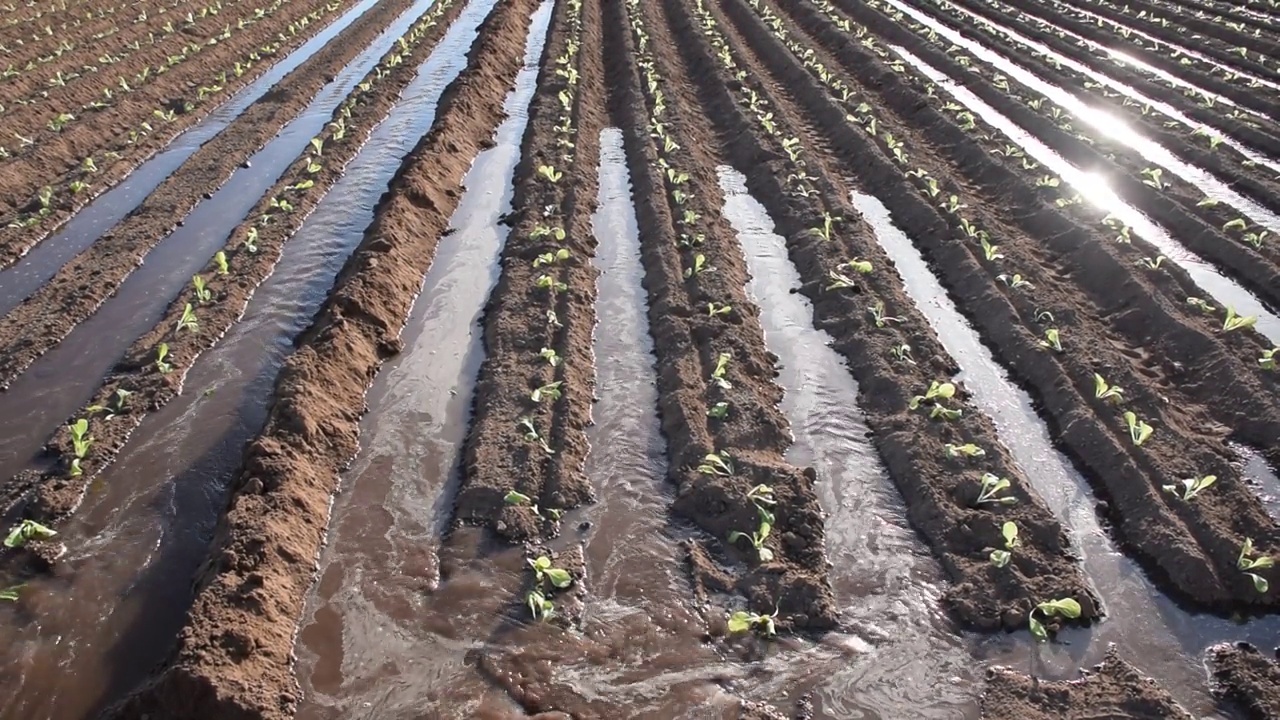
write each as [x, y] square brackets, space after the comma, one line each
[48, 315]
[1090, 428]
[1225, 10]
[1244, 677]
[147, 384]
[139, 133]
[544, 301]
[234, 655]
[705, 359]
[1257, 130]
[940, 491]
[40, 47]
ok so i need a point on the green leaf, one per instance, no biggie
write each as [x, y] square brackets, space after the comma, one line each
[559, 577]
[25, 531]
[542, 563]
[1066, 607]
[739, 622]
[1010, 532]
[765, 554]
[1037, 630]
[11, 593]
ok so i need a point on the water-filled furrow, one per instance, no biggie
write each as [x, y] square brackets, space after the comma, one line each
[33, 270]
[388, 621]
[1114, 129]
[61, 381]
[1178, 48]
[888, 591]
[1226, 290]
[1006, 65]
[1163, 640]
[111, 613]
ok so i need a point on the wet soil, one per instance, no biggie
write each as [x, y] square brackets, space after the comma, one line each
[137, 373]
[234, 655]
[59, 162]
[521, 318]
[1248, 678]
[1114, 689]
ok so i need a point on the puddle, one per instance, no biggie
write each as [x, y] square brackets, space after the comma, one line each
[912, 656]
[150, 516]
[60, 382]
[387, 621]
[1164, 641]
[1094, 189]
[1102, 120]
[1258, 472]
[28, 274]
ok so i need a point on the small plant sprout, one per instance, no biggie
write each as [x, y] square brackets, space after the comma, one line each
[716, 464]
[1152, 177]
[220, 260]
[1103, 391]
[828, 224]
[1246, 563]
[1188, 488]
[1200, 305]
[721, 369]
[1269, 358]
[1236, 322]
[762, 497]
[1001, 558]
[539, 606]
[719, 411]
[251, 240]
[26, 531]
[967, 450]
[878, 314]
[953, 205]
[1067, 608]
[989, 251]
[546, 282]
[1052, 339]
[549, 172]
[1236, 224]
[1152, 264]
[743, 621]
[543, 571]
[162, 365]
[757, 540]
[992, 487]
[1139, 430]
[188, 320]
[937, 391]
[700, 265]
[715, 308]
[550, 355]
[532, 435]
[203, 294]
[1015, 281]
[519, 499]
[550, 391]
[551, 258]
[10, 593]
[902, 353]
[317, 143]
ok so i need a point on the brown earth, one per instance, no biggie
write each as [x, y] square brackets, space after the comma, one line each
[1114, 690]
[234, 656]
[516, 326]
[57, 495]
[1247, 678]
[58, 163]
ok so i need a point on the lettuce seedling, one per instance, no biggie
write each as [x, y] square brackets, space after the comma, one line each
[1269, 358]
[1153, 176]
[549, 258]
[989, 251]
[549, 172]
[10, 593]
[1067, 608]
[1200, 305]
[251, 240]
[877, 314]
[742, 621]
[1139, 430]
[968, 450]
[517, 498]
[203, 294]
[1236, 224]
[81, 440]
[162, 365]
[25, 531]
[992, 486]
[550, 391]
[188, 319]
[551, 356]
[719, 411]
[220, 260]
[1001, 558]
[1103, 391]
[762, 497]
[902, 353]
[116, 405]
[1247, 564]
[757, 540]
[937, 392]
[1015, 281]
[1052, 339]
[542, 231]
[716, 464]
[544, 572]
[700, 266]
[722, 369]
[1188, 488]
[1236, 322]
[546, 282]
[714, 308]
[539, 606]
[532, 435]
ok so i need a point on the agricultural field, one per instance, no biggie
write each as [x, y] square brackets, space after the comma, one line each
[756, 359]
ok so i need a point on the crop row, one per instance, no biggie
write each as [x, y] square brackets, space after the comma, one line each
[263, 559]
[151, 372]
[717, 399]
[1045, 329]
[58, 178]
[524, 455]
[27, 43]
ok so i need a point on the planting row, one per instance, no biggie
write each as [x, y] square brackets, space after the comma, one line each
[48, 184]
[151, 372]
[262, 562]
[1042, 327]
[48, 34]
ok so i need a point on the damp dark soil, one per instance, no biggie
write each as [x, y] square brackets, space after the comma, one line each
[233, 655]
[1113, 689]
[1248, 678]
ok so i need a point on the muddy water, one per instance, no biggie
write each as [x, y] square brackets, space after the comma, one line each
[1089, 115]
[58, 383]
[116, 606]
[1093, 187]
[386, 629]
[899, 650]
[1153, 633]
[28, 274]
[1116, 130]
